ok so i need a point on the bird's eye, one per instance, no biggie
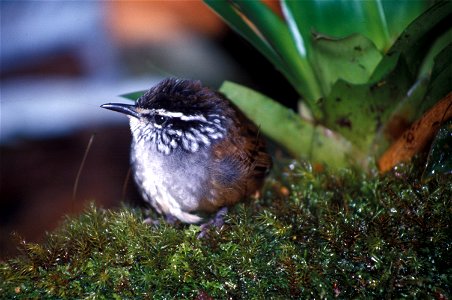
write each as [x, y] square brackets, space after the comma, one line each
[160, 120]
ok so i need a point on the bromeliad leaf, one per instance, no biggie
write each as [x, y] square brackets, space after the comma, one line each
[358, 111]
[400, 13]
[268, 32]
[440, 81]
[299, 137]
[380, 21]
[423, 95]
[352, 59]
[239, 24]
[417, 39]
[402, 115]
[277, 34]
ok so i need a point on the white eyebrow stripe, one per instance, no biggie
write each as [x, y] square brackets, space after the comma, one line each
[163, 112]
[194, 118]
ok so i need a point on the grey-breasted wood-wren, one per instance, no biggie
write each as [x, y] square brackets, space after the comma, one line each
[193, 153]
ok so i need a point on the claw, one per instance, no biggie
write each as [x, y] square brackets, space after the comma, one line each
[217, 221]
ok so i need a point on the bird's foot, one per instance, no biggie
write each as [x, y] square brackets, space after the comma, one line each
[217, 221]
[170, 219]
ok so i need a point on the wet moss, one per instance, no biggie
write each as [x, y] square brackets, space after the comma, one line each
[309, 235]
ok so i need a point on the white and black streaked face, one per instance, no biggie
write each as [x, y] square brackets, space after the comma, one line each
[177, 114]
[170, 130]
[180, 114]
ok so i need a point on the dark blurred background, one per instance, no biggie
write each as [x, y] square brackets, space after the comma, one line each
[60, 60]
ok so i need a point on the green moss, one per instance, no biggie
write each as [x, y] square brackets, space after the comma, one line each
[344, 235]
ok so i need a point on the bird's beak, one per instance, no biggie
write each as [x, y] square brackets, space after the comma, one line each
[127, 109]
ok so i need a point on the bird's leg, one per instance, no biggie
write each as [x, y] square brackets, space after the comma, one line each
[149, 220]
[217, 221]
[170, 219]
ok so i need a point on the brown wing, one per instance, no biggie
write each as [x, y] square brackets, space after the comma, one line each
[241, 163]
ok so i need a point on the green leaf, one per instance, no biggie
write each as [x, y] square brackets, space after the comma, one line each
[437, 47]
[400, 13]
[403, 114]
[134, 95]
[270, 35]
[277, 34]
[299, 137]
[376, 26]
[440, 155]
[416, 40]
[357, 111]
[352, 59]
[440, 83]
[373, 19]
[424, 92]
[422, 95]
[230, 15]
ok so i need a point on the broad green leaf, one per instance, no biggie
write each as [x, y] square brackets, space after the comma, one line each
[357, 111]
[277, 34]
[440, 83]
[231, 16]
[440, 155]
[380, 21]
[134, 95]
[403, 114]
[416, 40]
[376, 25]
[437, 47]
[299, 137]
[423, 94]
[400, 13]
[352, 59]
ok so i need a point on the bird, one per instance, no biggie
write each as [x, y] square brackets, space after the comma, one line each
[193, 153]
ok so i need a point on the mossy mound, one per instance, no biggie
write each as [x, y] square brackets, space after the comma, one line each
[311, 234]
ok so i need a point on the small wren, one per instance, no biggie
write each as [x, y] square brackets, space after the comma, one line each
[193, 153]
